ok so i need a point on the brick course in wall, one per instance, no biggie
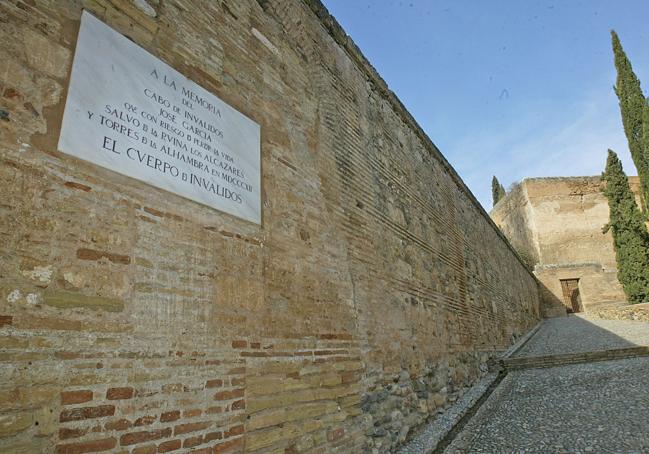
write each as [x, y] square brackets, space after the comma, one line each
[135, 321]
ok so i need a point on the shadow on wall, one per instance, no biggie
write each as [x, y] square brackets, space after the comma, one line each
[551, 305]
[555, 306]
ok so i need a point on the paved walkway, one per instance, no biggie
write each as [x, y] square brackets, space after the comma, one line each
[580, 333]
[597, 407]
[600, 407]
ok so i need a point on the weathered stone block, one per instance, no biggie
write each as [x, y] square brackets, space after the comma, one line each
[13, 423]
[45, 55]
[65, 300]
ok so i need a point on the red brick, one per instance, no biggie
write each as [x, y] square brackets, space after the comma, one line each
[154, 212]
[335, 434]
[71, 433]
[228, 447]
[144, 421]
[237, 371]
[91, 254]
[168, 446]
[213, 410]
[237, 381]
[6, 320]
[141, 437]
[119, 393]
[202, 451]
[238, 405]
[255, 345]
[148, 449]
[193, 441]
[350, 376]
[239, 344]
[234, 430]
[192, 413]
[339, 336]
[170, 416]
[213, 436]
[77, 414]
[11, 93]
[329, 352]
[87, 446]
[191, 427]
[118, 424]
[75, 397]
[146, 219]
[226, 395]
[75, 185]
[216, 383]
[256, 354]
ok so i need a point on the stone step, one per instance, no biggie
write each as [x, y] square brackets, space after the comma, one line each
[573, 358]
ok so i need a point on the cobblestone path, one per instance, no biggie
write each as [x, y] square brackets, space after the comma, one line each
[600, 407]
[580, 333]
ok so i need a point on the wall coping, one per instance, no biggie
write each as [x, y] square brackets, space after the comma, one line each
[557, 266]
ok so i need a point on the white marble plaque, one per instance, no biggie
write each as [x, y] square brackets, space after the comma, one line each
[128, 111]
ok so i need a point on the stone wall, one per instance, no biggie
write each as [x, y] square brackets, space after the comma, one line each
[638, 312]
[135, 321]
[597, 285]
[515, 217]
[562, 218]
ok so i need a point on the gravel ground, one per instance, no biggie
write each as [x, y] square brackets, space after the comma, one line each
[596, 407]
[433, 433]
[580, 333]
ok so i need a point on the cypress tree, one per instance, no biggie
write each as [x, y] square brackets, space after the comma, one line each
[497, 190]
[630, 236]
[645, 142]
[632, 105]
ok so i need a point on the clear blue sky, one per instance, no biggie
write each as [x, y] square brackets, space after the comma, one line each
[512, 88]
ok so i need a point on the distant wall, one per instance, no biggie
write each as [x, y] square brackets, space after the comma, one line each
[134, 320]
[569, 214]
[514, 215]
[597, 285]
[562, 220]
[638, 312]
